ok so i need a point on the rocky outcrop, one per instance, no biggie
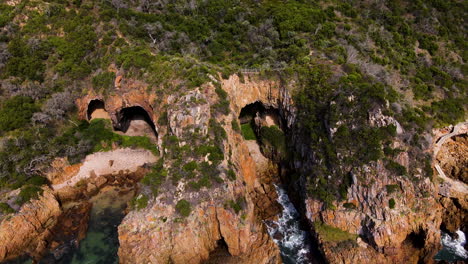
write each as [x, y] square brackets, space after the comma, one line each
[158, 234]
[27, 231]
[189, 113]
[390, 234]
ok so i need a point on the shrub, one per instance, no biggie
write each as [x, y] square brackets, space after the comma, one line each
[274, 137]
[235, 125]
[236, 205]
[183, 208]
[391, 203]
[27, 193]
[391, 188]
[396, 168]
[190, 166]
[155, 177]
[349, 206]
[231, 175]
[6, 209]
[104, 80]
[16, 112]
[140, 202]
[248, 132]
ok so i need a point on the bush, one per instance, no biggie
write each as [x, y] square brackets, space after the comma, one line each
[27, 193]
[190, 166]
[349, 206]
[391, 188]
[391, 203]
[274, 137]
[183, 208]
[231, 175]
[104, 81]
[248, 132]
[155, 177]
[236, 205]
[16, 112]
[6, 209]
[396, 168]
[235, 125]
[140, 202]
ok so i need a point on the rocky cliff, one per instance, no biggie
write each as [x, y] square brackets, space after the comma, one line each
[230, 189]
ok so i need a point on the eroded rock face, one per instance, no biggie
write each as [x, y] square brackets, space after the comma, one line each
[453, 158]
[158, 234]
[189, 113]
[27, 231]
[154, 236]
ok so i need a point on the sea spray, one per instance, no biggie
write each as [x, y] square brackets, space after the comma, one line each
[452, 248]
[286, 232]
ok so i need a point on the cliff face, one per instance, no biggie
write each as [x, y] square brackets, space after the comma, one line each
[27, 231]
[398, 219]
[228, 215]
[158, 234]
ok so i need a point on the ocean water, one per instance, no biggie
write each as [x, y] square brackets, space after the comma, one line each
[452, 248]
[287, 234]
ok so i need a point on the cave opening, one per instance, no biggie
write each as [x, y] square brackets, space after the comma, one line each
[96, 109]
[135, 121]
[221, 254]
[416, 239]
[262, 129]
[269, 115]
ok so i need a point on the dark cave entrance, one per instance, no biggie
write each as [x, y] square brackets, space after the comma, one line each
[416, 239]
[270, 115]
[135, 121]
[263, 124]
[96, 109]
[221, 254]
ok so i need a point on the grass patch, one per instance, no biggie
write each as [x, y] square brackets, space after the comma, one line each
[333, 234]
[248, 132]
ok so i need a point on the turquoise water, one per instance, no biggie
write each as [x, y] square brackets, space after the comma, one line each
[101, 242]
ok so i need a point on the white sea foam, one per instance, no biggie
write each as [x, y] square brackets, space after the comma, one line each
[456, 245]
[287, 233]
[453, 248]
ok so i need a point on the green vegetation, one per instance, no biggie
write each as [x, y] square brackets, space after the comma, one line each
[104, 81]
[248, 132]
[235, 125]
[6, 209]
[27, 193]
[183, 207]
[231, 174]
[349, 206]
[391, 203]
[139, 202]
[16, 112]
[396, 168]
[332, 234]
[155, 177]
[273, 141]
[237, 205]
[391, 188]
